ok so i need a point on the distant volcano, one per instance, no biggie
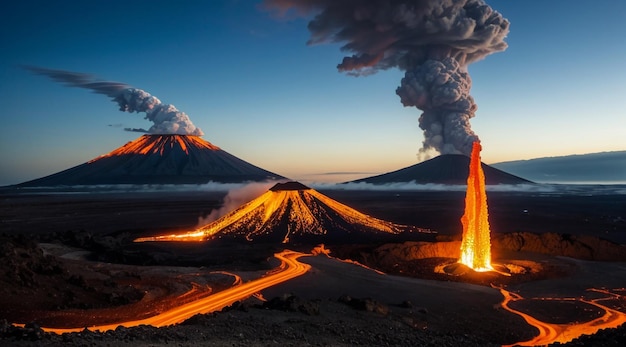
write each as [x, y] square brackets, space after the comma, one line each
[159, 159]
[443, 169]
[294, 213]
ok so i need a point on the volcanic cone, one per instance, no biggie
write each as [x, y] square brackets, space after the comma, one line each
[443, 169]
[294, 213]
[159, 159]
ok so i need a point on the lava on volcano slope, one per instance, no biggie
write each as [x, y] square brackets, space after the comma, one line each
[160, 159]
[291, 211]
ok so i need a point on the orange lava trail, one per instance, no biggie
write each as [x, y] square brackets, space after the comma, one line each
[290, 268]
[562, 333]
[476, 244]
[321, 249]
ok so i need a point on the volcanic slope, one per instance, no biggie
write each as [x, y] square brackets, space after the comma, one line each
[159, 159]
[443, 169]
[294, 213]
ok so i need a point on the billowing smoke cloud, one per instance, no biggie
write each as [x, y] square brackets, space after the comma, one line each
[432, 40]
[166, 118]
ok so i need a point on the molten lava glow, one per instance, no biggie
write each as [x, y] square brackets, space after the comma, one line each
[289, 268]
[551, 333]
[156, 144]
[321, 249]
[188, 236]
[293, 212]
[476, 244]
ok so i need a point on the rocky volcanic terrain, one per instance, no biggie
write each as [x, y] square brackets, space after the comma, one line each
[59, 274]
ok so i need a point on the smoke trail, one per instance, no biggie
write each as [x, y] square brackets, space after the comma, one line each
[234, 199]
[166, 118]
[432, 40]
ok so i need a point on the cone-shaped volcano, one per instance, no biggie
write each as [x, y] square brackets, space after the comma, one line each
[292, 212]
[443, 169]
[159, 159]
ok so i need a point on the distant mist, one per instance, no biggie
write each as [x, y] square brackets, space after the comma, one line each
[239, 193]
[541, 189]
[601, 168]
[412, 186]
[236, 197]
[135, 188]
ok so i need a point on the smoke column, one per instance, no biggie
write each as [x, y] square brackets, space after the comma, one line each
[433, 41]
[166, 118]
[236, 198]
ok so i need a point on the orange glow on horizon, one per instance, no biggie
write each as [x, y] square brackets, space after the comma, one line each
[476, 244]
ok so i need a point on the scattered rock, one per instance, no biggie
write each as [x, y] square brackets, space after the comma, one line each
[30, 331]
[406, 304]
[291, 303]
[605, 337]
[574, 246]
[365, 304]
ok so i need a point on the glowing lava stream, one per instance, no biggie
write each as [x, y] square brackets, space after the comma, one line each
[562, 333]
[476, 244]
[289, 268]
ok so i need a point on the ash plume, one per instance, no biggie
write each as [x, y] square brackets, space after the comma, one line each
[166, 118]
[433, 41]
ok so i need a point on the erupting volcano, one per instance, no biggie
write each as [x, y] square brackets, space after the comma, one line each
[159, 159]
[432, 41]
[172, 153]
[292, 212]
[476, 244]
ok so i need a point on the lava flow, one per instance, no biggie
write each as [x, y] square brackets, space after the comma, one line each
[160, 144]
[290, 267]
[551, 333]
[476, 244]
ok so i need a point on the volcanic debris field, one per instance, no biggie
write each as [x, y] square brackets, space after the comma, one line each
[68, 260]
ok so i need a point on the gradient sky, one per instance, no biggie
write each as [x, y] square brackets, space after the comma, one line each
[251, 83]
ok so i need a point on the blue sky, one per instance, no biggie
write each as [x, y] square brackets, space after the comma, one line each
[251, 83]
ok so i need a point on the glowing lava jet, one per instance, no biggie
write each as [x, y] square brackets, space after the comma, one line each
[476, 244]
[290, 212]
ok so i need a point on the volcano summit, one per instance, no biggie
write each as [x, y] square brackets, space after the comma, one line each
[159, 159]
[443, 169]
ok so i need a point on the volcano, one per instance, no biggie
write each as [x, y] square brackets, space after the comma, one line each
[159, 159]
[443, 169]
[294, 213]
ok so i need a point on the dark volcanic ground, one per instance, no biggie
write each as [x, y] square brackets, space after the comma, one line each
[588, 212]
[98, 221]
[599, 213]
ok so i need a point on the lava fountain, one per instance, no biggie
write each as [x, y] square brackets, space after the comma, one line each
[476, 244]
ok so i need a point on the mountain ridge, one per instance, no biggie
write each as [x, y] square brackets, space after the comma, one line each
[607, 167]
[443, 169]
[159, 159]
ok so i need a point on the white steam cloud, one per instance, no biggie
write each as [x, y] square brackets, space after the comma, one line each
[166, 118]
[236, 197]
[432, 40]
